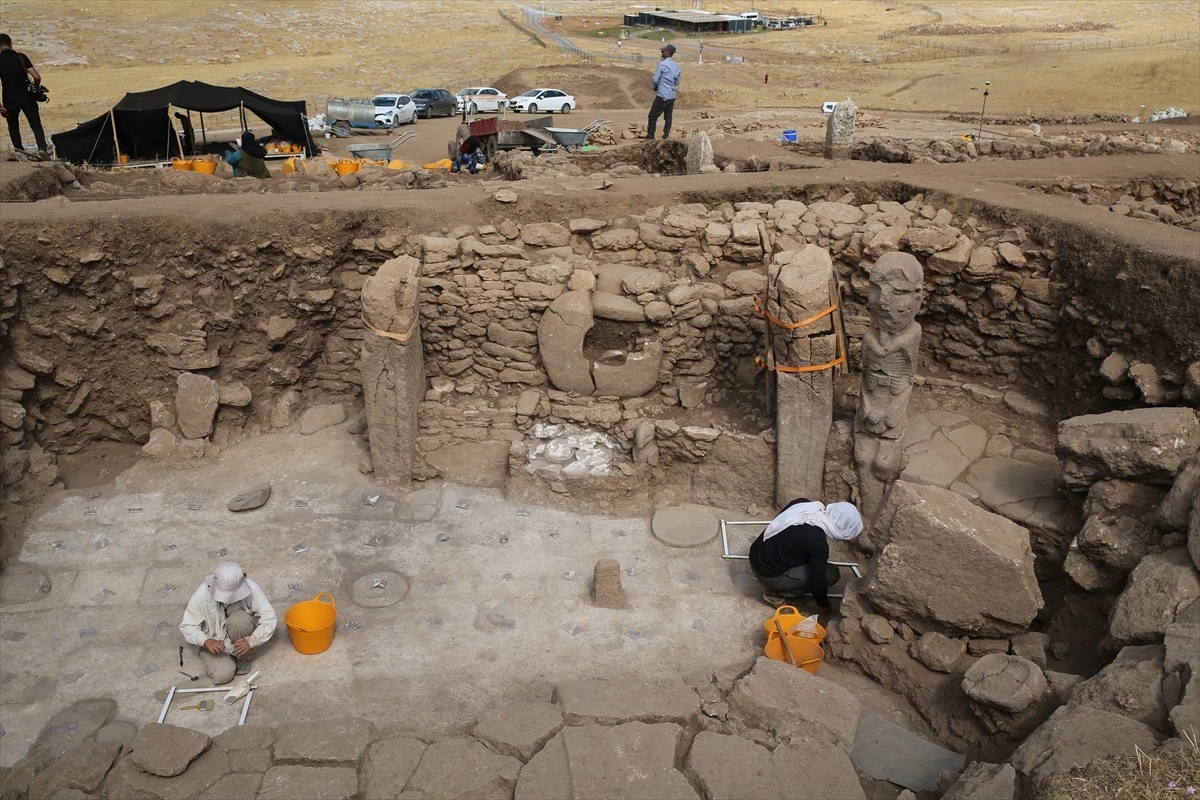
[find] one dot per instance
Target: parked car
(481, 98)
(432, 102)
(548, 100)
(394, 109)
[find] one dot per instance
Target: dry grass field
(93, 51)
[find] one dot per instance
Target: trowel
(241, 688)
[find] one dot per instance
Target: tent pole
(203, 133)
(242, 113)
(116, 142)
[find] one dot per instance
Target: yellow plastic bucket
(808, 653)
(181, 164)
(789, 617)
(205, 167)
(311, 624)
(346, 166)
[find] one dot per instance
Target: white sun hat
(228, 583)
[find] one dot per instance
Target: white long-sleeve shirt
(205, 618)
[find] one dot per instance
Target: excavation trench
(103, 314)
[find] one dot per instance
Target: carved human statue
(889, 359)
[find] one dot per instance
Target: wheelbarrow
(574, 137)
(379, 152)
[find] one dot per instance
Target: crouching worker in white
(228, 618)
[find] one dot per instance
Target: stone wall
(99, 320)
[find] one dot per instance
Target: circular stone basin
(379, 589)
(24, 585)
(684, 526)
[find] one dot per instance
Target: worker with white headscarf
(791, 557)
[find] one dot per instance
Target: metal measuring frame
(162, 715)
(726, 554)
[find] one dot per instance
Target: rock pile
(1173, 202)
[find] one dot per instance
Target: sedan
(549, 100)
(434, 101)
(394, 109)
(482, 98)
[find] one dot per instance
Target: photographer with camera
(20, 91)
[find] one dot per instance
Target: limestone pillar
(839, 130)
(804, 401)
(393, 367)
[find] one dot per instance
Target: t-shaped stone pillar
(804, 401)
(393, 367)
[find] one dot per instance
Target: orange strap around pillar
(793, 325)
(399, 337)
(758, 360)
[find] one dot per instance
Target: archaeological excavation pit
(462, 405)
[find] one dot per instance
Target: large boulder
(1132, 685)
(1118, 543)
(775, 696)
(1172, 514)
(947, 565)
(1148, 445)
(561, 332)
(1075, 736)
(1160, 586)
(82, 768)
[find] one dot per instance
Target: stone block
(939, 653)
(606, 589)
(1008, 683)
(545, 234)
(732, 768)
(610, 702)
(519, 729)
(561, 333)
(1132, 685)
(1148, 445)
(196, 400)
(634, 759)
(465, 768)
(388, 766)
(932, 542)
(318, 418)
(1075, 736)
(324, 741)
(167, 750)
(82, 768)
(126, 780)
(983, 781)
(1158, 587)
(292, 781)
(778, 697)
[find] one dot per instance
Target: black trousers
(14, 105)
(661, 108)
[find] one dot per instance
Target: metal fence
(950, 50)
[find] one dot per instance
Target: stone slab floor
(472, 622)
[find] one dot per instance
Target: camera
(38, 93)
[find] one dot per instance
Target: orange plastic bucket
(205, 167)
(311, 624)
(807, 653)
(346, 166)
(789, 617)
(181, 164)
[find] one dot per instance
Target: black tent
(140, 125)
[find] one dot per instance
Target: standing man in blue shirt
(665, 83)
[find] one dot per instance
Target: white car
(548, 100)
(392, 110)
(481, 98)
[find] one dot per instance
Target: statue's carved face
(896, 291)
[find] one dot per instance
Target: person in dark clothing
(468, 158)
(791, 557)
(16, 71)
(249, 159)
(189, 133)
